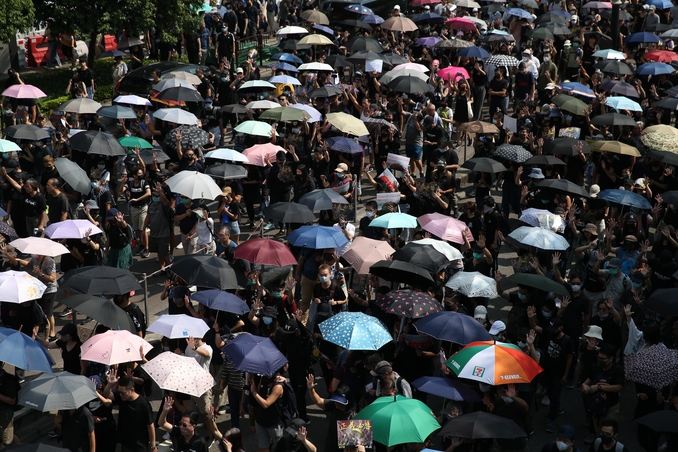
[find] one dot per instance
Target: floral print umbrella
(178, 373)
(409, 303)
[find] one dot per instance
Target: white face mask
(487, 209)
(576, 287)
(562, 446)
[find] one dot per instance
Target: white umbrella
(17, 287)
(312, 112)
(292, 31)
(542, 218)
(445, 248)
(194, 185)
(392, 75)
(473, 284)
(71, 229)
(544, 239)
(411, 67)
(183, 75)
(177, 116)
(114, 347)
(179, 326)
(178, 373)
(284, 79)
(262, 105)
(256, 84)
(173, 83)
(227, 154)
(39, 246)
(315, 66)
(132, 99)
(467, 4)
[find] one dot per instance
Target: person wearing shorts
(158, 221)
(414, 141)
(198, 349)
(44, 268)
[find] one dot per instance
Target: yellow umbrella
(315, 16)
(614, 147)
(315, 40)
(399, 24)
(347, 124)
(663, 128)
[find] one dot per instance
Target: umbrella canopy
(71, 229)
(481, 425)
(39, 246)
(474, 52)
(194, 185)
(428, 41)
(359, 9)
(655, 366)
(615, 147)
(569, 103)
(445, 227)
(402, 272)
(614, 67)
(399, 24)
(82, 106)
(345, 145)
(484, 165)
(538, 282)
(625, 89)
(460, 23)
(180, 94)
(8, 232)
(134, 142)
(663, 301)
(316, 40)
(256, 128)
(117, 112)
(260, 154)
(132, 99)
(453, 73)
(293, 30)
(411, 67)
(289, 212)
(392, 75)
(493, 363)
(221, 301)
(662, 56)
(317, 237)
(662, 421)
(9, 146)
(314, 114)
(226, 171)
(446, 388)
(254, 354)
(609, 54)
(59, 391)
(668, 102)
(544, 160)
(408, 303)
(34, 447)
(364, 252)
(563, 186)
(577, 88)
(284, 114)
(394, 220)
(661, 128)
(103, 311)
(453, 327)
(284, 79)
(408, 84)
(114, 347)
(479, 127)
(176, 116)
(372, 19)
(73, 175)
(355, 331)
(315, 66)
(503, 60)
(256, 86)
(542, 219)
(625, 198)
(448, 250)
(179, 326)
(542, 33)
(661, 141)
(98, 143)
(173, 83)
(399, 420)
(315, 16)
(393, 58)
(512, 152)
(22, 91)
(100, 280)
(347, 124)
(322, 199)
(422, 255)
(26, 132)
(473, 284)
(228, 155)
(207, 271)
(613, 119)
(23, 352)
(544, 239)
(18, 287)
(643, 37)
(566, 146)
(178, 373)
(265, 252)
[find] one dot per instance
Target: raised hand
(556, 259)
(530, 338)
(565, 302)
(169, 402)
(531, 312)
(310, 381)
(511, 391)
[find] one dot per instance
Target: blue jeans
(90, 92)
(52, 53)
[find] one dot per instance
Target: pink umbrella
(364, 253)
(23, 92)
(598, 5)
(459, 23)
(425, 2)
(114, 347)
(447, 228)
(259, 154)
(448, 72)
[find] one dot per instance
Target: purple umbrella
(346, 145)
(283, 67)
(429, 41)
(372, 19)
(71, 229)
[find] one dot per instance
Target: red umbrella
(409, 303)
(662, 56)
(265, 252)
(424, 2)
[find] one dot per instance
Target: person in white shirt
(348, 229)
(531, 63)
(205, 231)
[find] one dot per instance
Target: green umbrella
(256, 128)
(569, 103)
(540, 33)
(132, 142)
(284, 114)
(538, 282)
(399, 420)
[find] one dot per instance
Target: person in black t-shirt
(136, 431)
(87, 77)
(498, 90)
(184, 438)
(556, 360)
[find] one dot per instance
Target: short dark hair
(609, 422)
(125, 382)
(372, 204)
(193, 417)
(607, 350)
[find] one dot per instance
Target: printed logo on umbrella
(478, 371)
(184, 333)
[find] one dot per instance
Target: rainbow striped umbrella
(494, 363)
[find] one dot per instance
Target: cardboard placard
(374, 65)
(400, 160)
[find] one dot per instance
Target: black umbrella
(192, 137)
(538, 282)
(289, 212)
(97, 143)
(147, 156)
(409, 303)
(103, 311)
(495, 37)
(180, 94)
(365, 55)
(670, 197)
(624, 89)
(550, 17)
(566, 146)
(363, 43)
(34, 447)
(226, 171)
(325, 91)
(234, 108)
(484, 165)
(563, 186)
(663, 301)
(664, 156)
(481, 425)
(668, 102)
(394, 59)
(26, 132)
(356, 23)
(100, 280)
(402, 272)
(129, 42)
(408, 84)
(322, 199)
(613, 119)
(615, 67)
(662, 421)
(338, 61)
(543, 160)
(208, 271)
(421, 255)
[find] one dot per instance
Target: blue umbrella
(254, 354)
(430, 18)
(359, 9)
(643, 37)
(623, 103)
(477, 52)
(453, 327)
(372, 19)
(355, 331)
(654, 69)
(325, 30)
(23, 352)
(394, 220)
(446, 388)
(660, 4)
(518, 12)
(625, 198)
(575, 86)
(317, 237)
(283, 67)
(221, 301)
(344, 144)
(287, 58)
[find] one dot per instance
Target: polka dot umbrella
(355, 331)
(178, 373)
(409, 303)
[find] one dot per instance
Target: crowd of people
(557, 121)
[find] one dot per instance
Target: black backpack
(287, 402)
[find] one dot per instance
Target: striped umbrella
(494, 363)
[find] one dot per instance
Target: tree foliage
(15, 15)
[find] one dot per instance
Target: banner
(354, 433)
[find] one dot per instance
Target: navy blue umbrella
(344, 144)
(286, 58)
(221, 301)
(427, 18)
(625, 198)
(254, 354)
(643, 37)
(446, 388)
(477, 52)
(454, 327)
(111, 53)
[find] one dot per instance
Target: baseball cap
(382, 367)
(341, 168)
(178, 294)
(566, 431)
(112, 212)
(338, 397)
(269, 311)
(550, 86)
(291, 326)
(397, 7)
(594, 190)
(68, 328)
(480, 312)
(631, 238)
(239, 71)
(427, 7)
(615, 262)
(637, 277)
(497, 327)
(527, 51)
(294, 426)
(324, 310)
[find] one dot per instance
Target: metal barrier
(244, 45)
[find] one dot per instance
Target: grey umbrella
(73, 175)
(226, 171)
(98, 143)
(322, 199)
(103, 311)
(129, 42)
(192, 137)
(512, 152)
(59, 391)
(26, 132)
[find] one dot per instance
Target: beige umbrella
(315, 16)
(661, 141)
(348, 124)
(399, 24)
(614, 147)
(183, 75)
(364, 253)
(662, 128)
(467, 4)
(478, 127)
(315, 40)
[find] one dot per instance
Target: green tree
(15, 15)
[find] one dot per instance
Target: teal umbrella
(395, 220)
(132, 142)
(538, 282)
(355, 331)
(257, 128)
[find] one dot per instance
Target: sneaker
(570, 384)
(53, 433)
(166, 436)
(546, 401)
(171, 258)
(145, 254)
(66, 313)
(473, 192)
(550, 426)
(269, 226)
(590, 438)
(561, 412)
